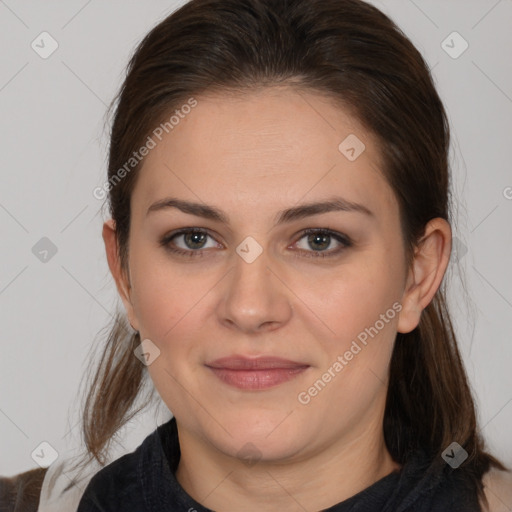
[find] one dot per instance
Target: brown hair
(22, 492)
(356, 55)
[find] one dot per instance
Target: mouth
(255, 373)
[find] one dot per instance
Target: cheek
(353, 297)
(163, 294)
(362, 312)
(172, 304)
(167, 305)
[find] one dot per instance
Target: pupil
(190, 236)
(313, 238)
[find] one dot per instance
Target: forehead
(270, 147)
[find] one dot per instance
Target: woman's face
(254, 285)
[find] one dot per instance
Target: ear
(431, 257)
(120, 276)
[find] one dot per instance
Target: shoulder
(110, 487)
(119, 485)
(132, 482)
(498, 490)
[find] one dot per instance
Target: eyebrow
(302, 211)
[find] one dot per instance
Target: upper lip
(255, 363)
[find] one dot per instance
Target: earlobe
(121, 279)
(428, 267)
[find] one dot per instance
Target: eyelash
(339, 237)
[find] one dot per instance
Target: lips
(259, 363)
(255, 373)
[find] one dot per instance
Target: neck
(315, 482)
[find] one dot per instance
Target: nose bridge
(254, 296)
(250, 281)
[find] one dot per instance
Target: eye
(193, 240)
(321, 239)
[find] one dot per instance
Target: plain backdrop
(53, 149)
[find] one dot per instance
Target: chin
(262, 436)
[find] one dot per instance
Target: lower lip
(257, 379)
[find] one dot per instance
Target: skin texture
(252, 156)
(498, 491)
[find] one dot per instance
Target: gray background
(53, 154)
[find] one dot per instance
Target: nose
(255, 298)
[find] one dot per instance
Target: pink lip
(256, 373)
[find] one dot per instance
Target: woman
(278, 185)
